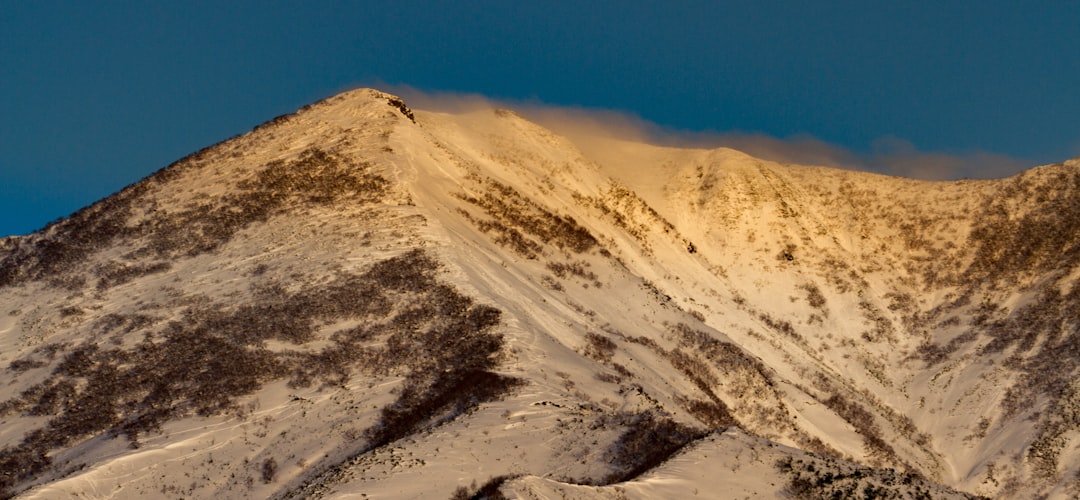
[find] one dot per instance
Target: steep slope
(922, 303)
(363, 299)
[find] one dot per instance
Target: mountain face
(365, 300)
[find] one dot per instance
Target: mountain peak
(365, 297)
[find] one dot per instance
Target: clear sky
(96, 95)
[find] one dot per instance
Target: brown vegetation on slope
(314, 178)
(201, 364)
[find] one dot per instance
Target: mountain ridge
(653, 295)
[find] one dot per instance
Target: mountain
(365, 300)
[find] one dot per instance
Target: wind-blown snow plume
(886, 155)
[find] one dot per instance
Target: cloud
(887, 155)
(900, 157)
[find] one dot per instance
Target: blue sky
(96, 95)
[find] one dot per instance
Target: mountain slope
(361, 298)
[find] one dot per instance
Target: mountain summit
(361, 299)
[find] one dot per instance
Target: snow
(740, 213)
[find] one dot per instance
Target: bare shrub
(864, 424)
(714, 414)
(215, 353)
(487, 491)
(812, 478)
(782, 326)
(694, 368)
(881, 327)
(608, 377)
(599, 347)
(513, 214)
(552, 283)
(631, 213)
(1042, 235)
(68, 311)
(63, 243)
(113, 274)
(269, 470)
(578, 269)
(422, 398)
(814, 297)
(316, 177)
(461, 493)
(277, 120)
(24, 364)
(649, 440)
(506, 236)
(39, 357)
(622, 370)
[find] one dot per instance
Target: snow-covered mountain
(363, 300)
